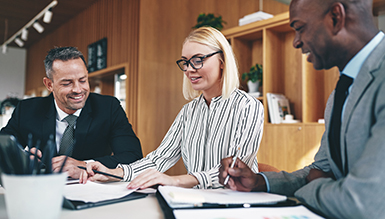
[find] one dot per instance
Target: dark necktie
(67, 141)
(340, 95)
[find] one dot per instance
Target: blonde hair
(214, 39)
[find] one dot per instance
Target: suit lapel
(360, 84)
(49, 123)
(362, 80)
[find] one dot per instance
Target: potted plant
(253, 78)
(209, 20)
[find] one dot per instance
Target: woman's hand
(153, 177)
(90, 175)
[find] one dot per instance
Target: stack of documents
(95, 191)
(182, 203)
(177, 197)
(257, 16)
(296, 212)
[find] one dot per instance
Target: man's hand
(71, 166)
(241, 176)
(315, 174)
(34, 151)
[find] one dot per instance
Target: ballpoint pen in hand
(232, 164)
(103, 173)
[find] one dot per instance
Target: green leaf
(209, 20)
(255, 74)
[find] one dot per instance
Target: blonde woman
(219, 119)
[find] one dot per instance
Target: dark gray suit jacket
(359, 192)
(101, 129)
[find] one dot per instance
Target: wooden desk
(141, 208)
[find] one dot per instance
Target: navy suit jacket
(101, 129)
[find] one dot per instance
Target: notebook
(174, 199)
(177, 197)
(92, 194)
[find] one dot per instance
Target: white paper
(147, 191)
(240, 213)
(72, 181)
(94, 191)
(215, 196)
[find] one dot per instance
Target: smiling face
(69, 84)
(313, 32)
(208, 78)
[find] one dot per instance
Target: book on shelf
(278, 106)
(257, 16)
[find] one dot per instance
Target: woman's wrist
(186, 181)
(118, 172)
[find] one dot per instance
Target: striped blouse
(202, 135)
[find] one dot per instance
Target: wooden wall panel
(163, 28)
(148, 35)
(290, 147)
(117, 20)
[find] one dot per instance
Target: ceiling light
(38, 27)
(46, 12)
(47, 16)
(19, 42)
(24, 34)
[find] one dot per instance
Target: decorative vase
(253, 86)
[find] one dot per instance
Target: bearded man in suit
(101, 130)
(346, 178)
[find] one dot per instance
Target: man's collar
(61, 114)
(355, 64)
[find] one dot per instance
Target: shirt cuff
(88, 161)
(203, 179)
(127, 172)
(267, 181)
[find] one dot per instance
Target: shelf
(285, 70)
(117, 69)
(287, 146)
(105, 81)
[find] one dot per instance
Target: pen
(232, 165)
(107, 174)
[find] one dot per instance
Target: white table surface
(146, 208)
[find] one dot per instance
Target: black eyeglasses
(195, 62)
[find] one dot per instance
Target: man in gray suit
(347, 177)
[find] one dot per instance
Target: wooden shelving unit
(104, 79)
(285, 70)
